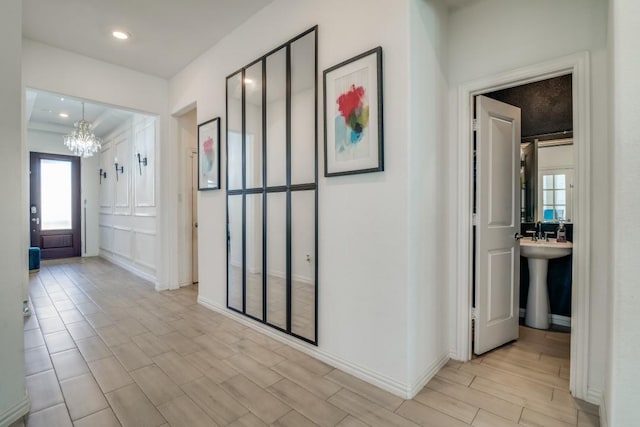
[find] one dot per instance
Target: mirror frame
(265, 189)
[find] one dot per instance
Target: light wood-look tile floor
(102, 348)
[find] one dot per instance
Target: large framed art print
(353, 128)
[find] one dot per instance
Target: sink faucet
(539, 228)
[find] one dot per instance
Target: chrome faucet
(539, 229)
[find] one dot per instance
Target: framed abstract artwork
(353, 130)
(209, 155)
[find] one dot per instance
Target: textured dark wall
(546, 105)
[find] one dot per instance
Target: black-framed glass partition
(272, 192)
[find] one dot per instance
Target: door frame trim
(578, 65)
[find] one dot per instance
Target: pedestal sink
(538, 254)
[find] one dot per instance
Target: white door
(497, 254)
(194, 217)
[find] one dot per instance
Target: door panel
(55, 205)
(497, 221)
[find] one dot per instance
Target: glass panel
(303, 282)
(254, 255)
(561, 181)
(303, 112)
(547, 197)
(560, 212)
(235, 250)
(547, 182)
(561, 197)
(55, 187)
(276, 119)
(253, 120)
(234, 131)
(547, 214)
(276, 259)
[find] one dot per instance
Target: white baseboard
(15, 412)
(594, 396)
(604, 421)
(365, 374)
(426, 376)
(127, 266)
(556, 319)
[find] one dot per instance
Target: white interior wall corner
(623, 393)
(427, 216)
(14, 402)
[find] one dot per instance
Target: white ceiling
(166, 35)
(43, 109)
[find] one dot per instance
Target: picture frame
(353, 116)
(209, 155)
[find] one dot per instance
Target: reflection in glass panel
(234, 131)
(234, 248)
(547, 181)
(55, 184)
(276, 119)
(547, 197)
(561, 181)
(303, 282)
(303, 113)
(254, 255)
(253, 123)
(561, 197)
(276, 259)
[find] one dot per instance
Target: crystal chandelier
(82, 142)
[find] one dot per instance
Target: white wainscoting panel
(127, 205)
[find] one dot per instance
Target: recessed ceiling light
(120, 35)
(63, 115)
(61, 99)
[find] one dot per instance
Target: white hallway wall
(13, 253)
(59, 71)
(495, 36)
(622, 392)
(52, 143)
(367, 278)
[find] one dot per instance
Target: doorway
(188, 231)
(577, 65)
(54, 208)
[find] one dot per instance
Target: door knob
(518, 236)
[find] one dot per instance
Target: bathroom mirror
(272, 188)
(546, 176)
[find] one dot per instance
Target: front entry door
(497, 250)
(54, 209)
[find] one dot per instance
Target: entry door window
(56, 201)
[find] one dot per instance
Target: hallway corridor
(102, 348)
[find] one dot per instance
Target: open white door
(497, 278)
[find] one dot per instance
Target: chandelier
(82, 142)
